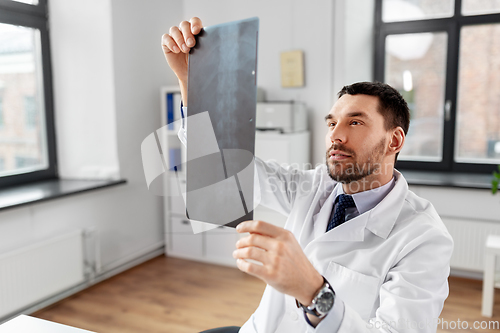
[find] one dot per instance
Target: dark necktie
(344, 201)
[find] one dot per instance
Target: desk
(24, 324)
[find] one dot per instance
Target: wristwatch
(322, 302)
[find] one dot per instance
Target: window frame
(452, 26)
(35, 16)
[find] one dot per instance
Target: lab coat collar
(346, 232)
(380, 220)
(310, 231)
(383, 216)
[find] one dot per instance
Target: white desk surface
(25, 324)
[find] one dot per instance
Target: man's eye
(331, 124)
(354, 122)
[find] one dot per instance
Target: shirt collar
(367, 200)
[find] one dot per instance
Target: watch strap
(313, 310)
(307, 309)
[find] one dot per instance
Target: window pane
(415, 64)
(23, 146)
(478, 125)
(30, 2)
(475, 7)
(409, 10)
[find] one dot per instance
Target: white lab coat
(389, 266)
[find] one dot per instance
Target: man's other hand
(284, 267)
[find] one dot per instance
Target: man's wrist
(321, 304)
(183, 86)
(312, 290)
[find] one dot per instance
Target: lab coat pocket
(357, 290)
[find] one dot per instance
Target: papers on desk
(23, 324)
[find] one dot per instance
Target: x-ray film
(221, 123)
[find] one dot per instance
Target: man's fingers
(256, 240)
(260, 227)
(169, 45)
(176, 34)
(196, 25)
(253, 253)
(185, 27)
(251, 268)
(181, 38)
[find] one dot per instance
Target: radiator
(40, 270)
(470, 238)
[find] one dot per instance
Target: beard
(358, 169)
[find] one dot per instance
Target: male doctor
(359, 251)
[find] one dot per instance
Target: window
(27, 143)
(444, 58)
(30, 112)
(24, 162)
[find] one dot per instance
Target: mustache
(340, 147)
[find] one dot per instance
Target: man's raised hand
(176, 46)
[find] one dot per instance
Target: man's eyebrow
(350, 115)
(357, 114)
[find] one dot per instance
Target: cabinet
(288, 148)
(214, 246)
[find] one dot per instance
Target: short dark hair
(392, 105)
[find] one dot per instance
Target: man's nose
(338, 134)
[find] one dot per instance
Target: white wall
(108, 68)
(140, 70)
(353, 42)
(82, 61)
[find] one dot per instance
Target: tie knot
(346, 201)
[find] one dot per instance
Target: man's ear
(397, 140)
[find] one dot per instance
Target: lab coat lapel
(309, 228)
(383, 216)
(349, 231)
(320, 219)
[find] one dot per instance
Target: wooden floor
(162, 295)
(173, 295)
(464, 304)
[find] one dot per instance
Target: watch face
(325, 302)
